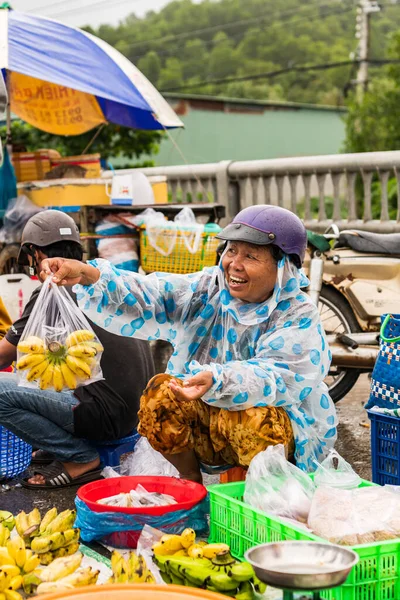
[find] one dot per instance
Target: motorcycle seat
(371, 243)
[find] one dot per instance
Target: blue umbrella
(66, 81)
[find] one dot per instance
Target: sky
(87, 12)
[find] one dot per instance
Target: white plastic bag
(164, 235)
(58, 349)
(146, 461)
(361, 516)
(334, 471)
(276, 486)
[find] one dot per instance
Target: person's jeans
(44, 419)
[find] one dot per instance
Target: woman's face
(250, 271)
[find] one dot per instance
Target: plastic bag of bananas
(58, 349)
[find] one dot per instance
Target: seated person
(248, 345)
(63, 424)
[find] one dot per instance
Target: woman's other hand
(193, 388)
(68, 272)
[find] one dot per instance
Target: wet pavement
(353, 444)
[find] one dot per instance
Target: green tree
(150, 65)
(223, 59)
(171, 76)
(113, 141)
(194, 59)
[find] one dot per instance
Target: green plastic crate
(375, 577)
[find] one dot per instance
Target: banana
(81, 577)
(53, 586)
(32, 345)
(46, 558)
(7, 519)
(7, 573)
(96, 345)
(56, 540)
(4, 534)
(31, 563)
(78, 366)
(69, 376)
(245, 591)
(47, 377)
(61, 567)
(28, 361)
(58, 379)
(188, 537)
(137, 568)
(15, 583)
(197, 577)
(38, 370)
(61, 522)
(45, 543)
(82, 351)
(150, 578)
(195, 551)
(242, 572)
(259, 586)
(181, 553)
(171, 543)
(118, 563)
(223, 582)
(47, 519)
(211, 550)
(71, 536)
(21, 523)
(79, 336)
(16, 548)
(12, 595)
(5, 557)
(34, 518)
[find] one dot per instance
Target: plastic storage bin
(375, 577)
(15, 454)
(385, 448)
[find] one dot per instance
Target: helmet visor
(236, 232)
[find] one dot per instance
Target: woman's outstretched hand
(193, 388)
(68, 272)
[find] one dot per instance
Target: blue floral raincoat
(272, 353)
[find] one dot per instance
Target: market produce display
(208, 566)
(60, 365)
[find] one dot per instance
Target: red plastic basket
(186, 493)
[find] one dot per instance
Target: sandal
(56, 476)
(41, 457)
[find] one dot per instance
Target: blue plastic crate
(15, 454)
(385, 448)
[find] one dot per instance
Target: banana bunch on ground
(185, 545)
(215, 569)
(55, 536)
(62, 574)
(16, 562)
(59, 366)
(131, 570)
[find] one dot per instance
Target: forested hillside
(187, 44)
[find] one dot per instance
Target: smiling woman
(250, 354)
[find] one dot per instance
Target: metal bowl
(302, 566)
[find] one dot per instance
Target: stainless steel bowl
(302, 566)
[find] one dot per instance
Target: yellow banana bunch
(54, 541)
(17, 550)
(61, 567)
(31, 563)
(48, 557)
(79, 578)
(131, 570)
(61, 522)
(79, 336)
(32, 345)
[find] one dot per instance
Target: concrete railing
(353, 190)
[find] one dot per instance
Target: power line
(89, 6)
(46, 6)
(271, 74)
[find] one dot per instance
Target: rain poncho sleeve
(268, 354)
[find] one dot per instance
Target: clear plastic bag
(334, 471)
(146, 461)
(276, 486)
(18, 212)
(361, 516)
(58, 349)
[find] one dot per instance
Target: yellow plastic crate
(180, 260)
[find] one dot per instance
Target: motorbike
(354, 279)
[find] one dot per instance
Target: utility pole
(365, 9)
